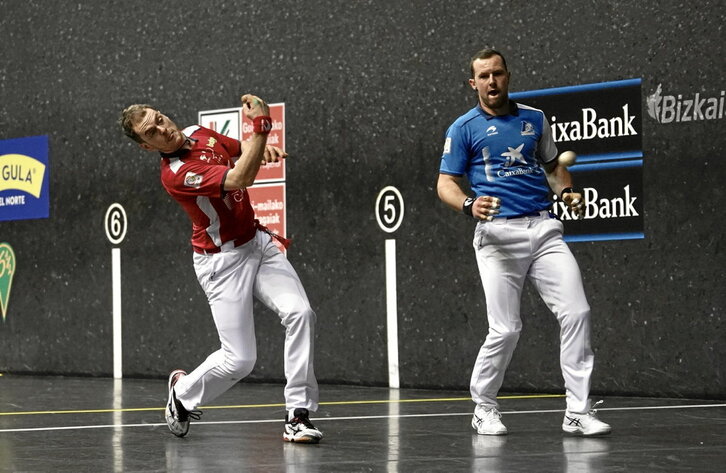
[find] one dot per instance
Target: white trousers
(230, 279)
(508, 251)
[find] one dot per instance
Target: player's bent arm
(558, 177)
(449, 190)
(245, 170)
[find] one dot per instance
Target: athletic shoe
(177, 417)
(585, 424)
(487, 421)
(298, 427)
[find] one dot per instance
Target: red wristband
(262, 125)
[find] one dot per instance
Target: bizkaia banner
(602, 123)
(267, 194)
(24, 179)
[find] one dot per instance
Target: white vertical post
(116, 284)
(392, 314)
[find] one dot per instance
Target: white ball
(567, 158)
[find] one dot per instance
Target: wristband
(566, 190)
(467, 207)
(262, 125)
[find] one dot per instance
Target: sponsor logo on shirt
(447, 145)
(193, 180)
(514, 156)
(211, 142)
(492, 130)
(527, 128)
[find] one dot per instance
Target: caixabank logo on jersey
(24, 178)
(602, 123)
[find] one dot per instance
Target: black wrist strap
(566, 190)
(468, 204)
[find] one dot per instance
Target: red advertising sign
(271, 171)
(268, 201)
(267, 195)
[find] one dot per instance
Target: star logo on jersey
(514, 155)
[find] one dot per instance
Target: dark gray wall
(370, 88)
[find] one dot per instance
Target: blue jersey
(502, 155)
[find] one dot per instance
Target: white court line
(325, 419)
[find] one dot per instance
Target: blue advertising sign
(24, 178)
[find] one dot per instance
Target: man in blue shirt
(506, 151)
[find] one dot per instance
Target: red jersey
(195, 179)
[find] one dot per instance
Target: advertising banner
(24, 178)
(602, 123)
(226, 121)
(268, 201)
(268, 192)
(273, 171)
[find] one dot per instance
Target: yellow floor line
(255, 406)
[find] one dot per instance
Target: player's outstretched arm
(253, 151)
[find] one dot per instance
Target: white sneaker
(299, 429)
(487, 421)
(177, 417)
(585, 424)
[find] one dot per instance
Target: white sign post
(116, 224)
(389, 214)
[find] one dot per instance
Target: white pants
(231, 279)
(508, 251)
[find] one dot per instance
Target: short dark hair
(130, 116)
(486, 53)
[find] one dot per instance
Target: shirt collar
(513, 110)
(181, 151)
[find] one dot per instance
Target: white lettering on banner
(269, 205)
(672, 108)
(617, 207)
(12, 200)
(609, 208)
(591, 126)
(269, 219)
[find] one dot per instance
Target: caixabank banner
(24, 178)
(602, 123)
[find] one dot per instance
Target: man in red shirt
(235, 260)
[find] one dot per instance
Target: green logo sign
(7, 271)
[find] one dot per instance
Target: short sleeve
(455, 157)
(196, 178)
(546, 149)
